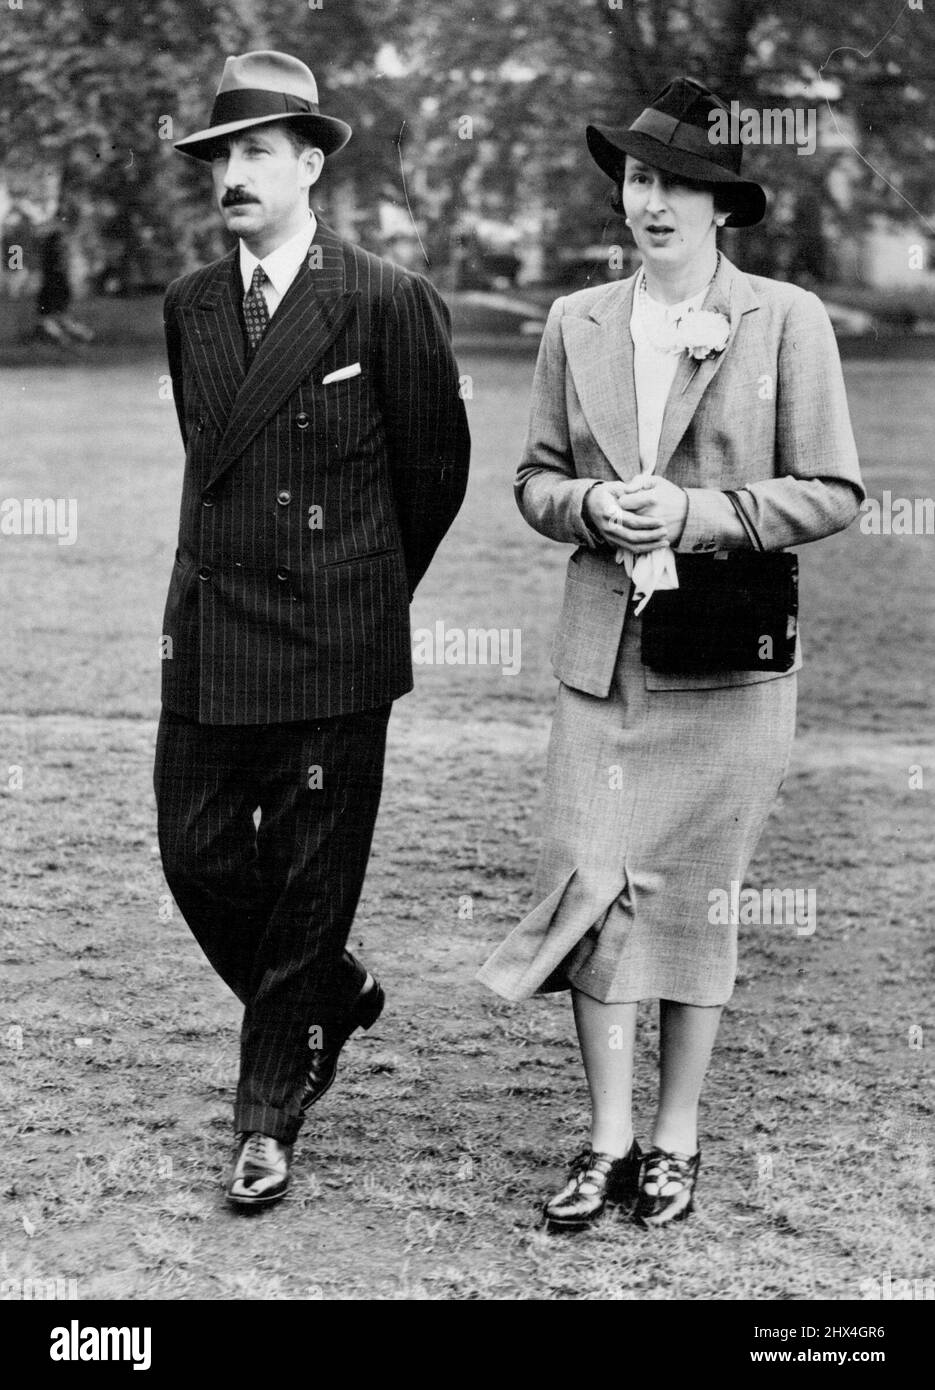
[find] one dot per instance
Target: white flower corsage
(702, 333)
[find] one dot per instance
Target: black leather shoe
(324, 1061)
(261, 1171)
(595, 1181)
(667, 1187)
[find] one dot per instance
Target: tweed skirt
(653, 799)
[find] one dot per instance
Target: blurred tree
(93, 93)
(470, 111)
(527, 79)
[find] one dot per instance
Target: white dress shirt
(281, 265)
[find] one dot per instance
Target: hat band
(245, 102)
(691, 138)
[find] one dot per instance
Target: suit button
(282, 574)
(302, 420)
(204, 572)
(284, 498)
(207, 499)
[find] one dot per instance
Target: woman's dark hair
(723, 199)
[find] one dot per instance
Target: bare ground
(421, 1173)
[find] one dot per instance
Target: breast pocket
(341, 411)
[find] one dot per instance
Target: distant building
(896, 257)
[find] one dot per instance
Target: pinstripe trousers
(272, 905)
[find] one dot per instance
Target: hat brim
(609, 147)
(327, 132)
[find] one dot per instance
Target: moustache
(233, 200)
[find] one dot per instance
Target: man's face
(261, 183)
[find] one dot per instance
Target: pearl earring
(626, 221)
(720, 221)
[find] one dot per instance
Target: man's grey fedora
(262, 87)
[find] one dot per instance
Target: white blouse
(652, 326)
(655, 362)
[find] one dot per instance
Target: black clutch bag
(736, 612)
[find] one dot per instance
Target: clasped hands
(647, 513)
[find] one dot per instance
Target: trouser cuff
(266, 1119)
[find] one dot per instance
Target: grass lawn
(420, 1175)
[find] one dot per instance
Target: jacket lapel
(214, 338)
(599, 350)
(732, 295)
(305, 324)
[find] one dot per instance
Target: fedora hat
(262, 87)
(673, 134)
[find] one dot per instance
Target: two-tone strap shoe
(261, 1171)
(667, 1187)
(596, 1181)
(323, 1064)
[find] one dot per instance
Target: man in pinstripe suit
(326, 456)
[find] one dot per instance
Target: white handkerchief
(342, 374)
(649, 572)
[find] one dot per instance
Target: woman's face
(672, 222)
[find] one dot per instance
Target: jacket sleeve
(817, 489)
(548, 492)
(428, 443)
(174, 354)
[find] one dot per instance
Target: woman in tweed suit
(658, 785)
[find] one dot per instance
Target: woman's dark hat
(262, 87)
(673, 133)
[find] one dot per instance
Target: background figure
(54, 322)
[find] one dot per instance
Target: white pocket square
(341, 374)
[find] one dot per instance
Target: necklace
(664, 340)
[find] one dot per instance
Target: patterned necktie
(255, 310)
